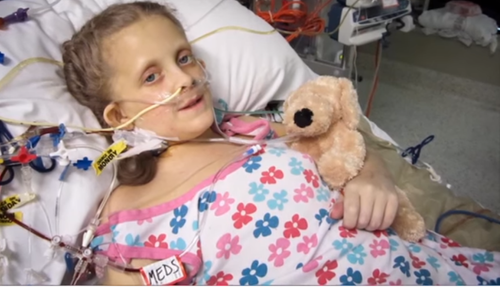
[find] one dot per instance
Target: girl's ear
(113, 115)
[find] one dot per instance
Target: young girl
(264, 219)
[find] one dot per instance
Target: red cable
(307, 24)
(375, 79)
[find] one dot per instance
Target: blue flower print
(423, 277)
(207, 198)
(277, 151)
(454, 278)
(258, 191)
(344, 246)
(296, 166)
(481, 281)
(206, 272)
(414, 248)
(300, 265)
(483, 257)
(263, 226)
(323, 194)
(130, 240)
(357, 255)
(494, 282)
(250, 276)
(178, 221)
(433, 261)
(252, 164)
(403, 265)
(351, 278)
(394, 244)
(195, 225)
(96, 242)
(324, 214)
(278, 201)
(391, 232)
(114, 233)
(489, 256)
(430, 236)
(178, 244)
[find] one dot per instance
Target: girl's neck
(182, 147)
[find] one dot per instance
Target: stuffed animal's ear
(351, 112)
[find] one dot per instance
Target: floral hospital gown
(266, 221)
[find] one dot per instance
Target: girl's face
(149, 60)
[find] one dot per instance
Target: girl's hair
(88, 77)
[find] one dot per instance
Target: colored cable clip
(24, 156)
(84, 163)
(57, 137)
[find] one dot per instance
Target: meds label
(165, 272)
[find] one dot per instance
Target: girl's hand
(370, 200)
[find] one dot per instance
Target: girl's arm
(370, 199)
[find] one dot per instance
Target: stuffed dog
(323, 116)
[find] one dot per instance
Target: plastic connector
(88, 236)
(253, 150)
(20, 15)
(61, 154)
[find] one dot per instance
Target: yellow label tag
(10, 202)
(108, 156)
(5, 221)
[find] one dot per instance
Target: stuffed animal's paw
(334, 171)
(409, 225)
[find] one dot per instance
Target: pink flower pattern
(228, 245)
(307, 244)
(303, 194)
(222, 204)
(279, 251)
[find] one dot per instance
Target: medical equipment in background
(367, 23)
(329, 46)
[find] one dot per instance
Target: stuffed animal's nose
(303, 118)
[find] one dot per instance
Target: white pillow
(38, 93)
(248, 70)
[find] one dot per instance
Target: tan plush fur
(324, 114)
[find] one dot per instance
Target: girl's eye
(151, 78)
(184, 60)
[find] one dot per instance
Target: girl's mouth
(192, 103)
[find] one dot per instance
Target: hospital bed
(66, 198)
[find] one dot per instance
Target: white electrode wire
(56, 211)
